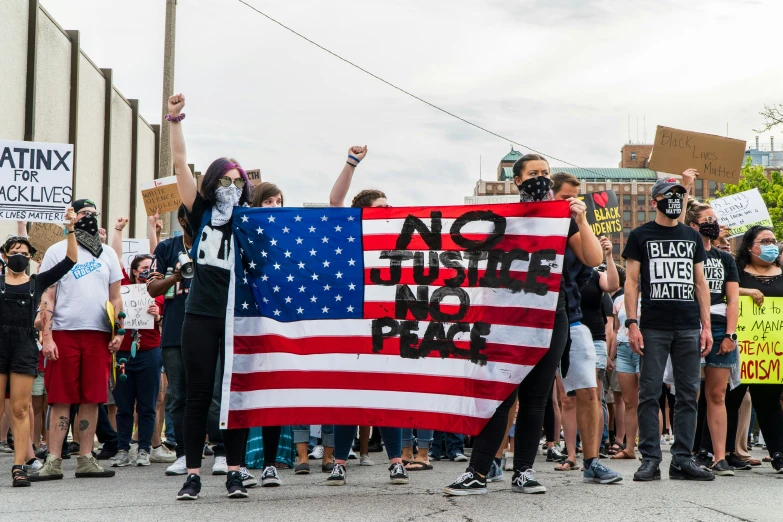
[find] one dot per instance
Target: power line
(422, 100)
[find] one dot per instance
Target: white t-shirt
(619, 311)
(83, 292)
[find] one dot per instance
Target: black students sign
(35, 181)
(603, 212)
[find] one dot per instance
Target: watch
(629, 322)
(732, 336)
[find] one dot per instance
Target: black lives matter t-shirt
(719, 269)
(668, 256)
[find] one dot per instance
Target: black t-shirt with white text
(668, 256)
(167, 256)
(719, 269)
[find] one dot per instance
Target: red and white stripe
(326, 372)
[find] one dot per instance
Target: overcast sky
(560, 76)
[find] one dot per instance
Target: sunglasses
(225, 181)
(669, 195)
(88, 213)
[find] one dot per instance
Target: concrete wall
(53, 104)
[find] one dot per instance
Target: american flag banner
(409, 317)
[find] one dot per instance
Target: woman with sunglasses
(19, 298)
(209, 209)
(141, 349)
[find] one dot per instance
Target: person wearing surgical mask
(208, 210)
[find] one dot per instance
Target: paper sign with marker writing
(161, 194)
(136, 301)
(44, 235)
(741, 211)
(715, 157)
(36, 181)
(603, 212)
(760, 338)
(133, 247)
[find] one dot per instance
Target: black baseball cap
(663, 186)
(83, 203)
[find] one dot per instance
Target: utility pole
(168, 90)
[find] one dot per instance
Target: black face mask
(535, 189)
(18, 263)
(86, 231)
(671, 208)
(709, 230)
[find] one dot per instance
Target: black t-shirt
(209, 287)
(719, 269)
(43, 281)
(769, 286)
(668, 256)
(574, 276)
(596, 307)
(167, 256)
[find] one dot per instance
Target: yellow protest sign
(760, 337)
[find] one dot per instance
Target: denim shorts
(627, 360)
(581, 370)
(600, 354)
(712, 359)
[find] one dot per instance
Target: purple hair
(217, 170)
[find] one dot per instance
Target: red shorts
(81, 373)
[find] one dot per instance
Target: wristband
(118, 229)
(175, 119)
(353, 158)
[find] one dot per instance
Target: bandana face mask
(226, 198)
(86, 232)
(535, 189)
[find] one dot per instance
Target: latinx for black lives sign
(36, 181)
(475, 261)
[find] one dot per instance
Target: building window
(641, 217)
(616, 249)
(633, 156)
(626, 230)
(626, 200)
(626, 215)
(640, 201)
(713, 187)
(699, 186)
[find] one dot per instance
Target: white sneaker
(121, 459)
(220, 467)
(35, 466)
(352, 455)
(317, 453)
(143, 459)
(365, 460)
(270, 478)
(460, 457)
(508, 458)
(248, 480)
(161, 455)
(178, 468)
(134, 451)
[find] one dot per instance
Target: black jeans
(766, 402)
(549, 416)
(202, 347)
(533, 393)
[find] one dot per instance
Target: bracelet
(118, 229)
(175, 119)
(354, 158)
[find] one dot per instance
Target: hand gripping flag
(414, 317)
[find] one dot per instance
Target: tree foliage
(771, 188)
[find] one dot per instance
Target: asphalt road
(146, 494)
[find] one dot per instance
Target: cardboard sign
(36, 180)
(44, 235)
(603, 212)
(741, 211)
(136, 301)
(760, 338)
(161, 194)
(131, 248)
(715, 157)
(254, 176)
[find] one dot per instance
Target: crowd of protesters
(641, 357)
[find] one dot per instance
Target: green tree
(771, 188)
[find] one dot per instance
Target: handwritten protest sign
(741, 211)
(254, 176)
(36, 180)
(603, 212)
(161, 194)
(715, 157)
(133, 247)
(44, 235)
(136, 301)
(760, 336)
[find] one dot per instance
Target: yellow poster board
(760, 337)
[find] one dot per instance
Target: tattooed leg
(59, 423)
(88, 420)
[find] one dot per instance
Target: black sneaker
(722, 468)
(525, 482)
(337, 478)
(397, 474)
(190, 489)
(648, 471)
(553, 455)
(207, 451)
(777, 462)
(469, 483)
(602, 454)
(234, 485)
(106, 453)
(737, 463)
(703, 459)
(689, 470)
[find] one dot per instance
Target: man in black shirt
(675, 304)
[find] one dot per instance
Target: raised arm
(343, 183)
(610, 280)
(21, 228)
(116, 238)
(584, 244)
(72, 247)
(186, 183)
(156, 225)
(688, 182)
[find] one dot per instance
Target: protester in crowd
(760, 277)
(208, 210)
(531, 175)
(423, 440)
(344, 435)
(141, 349)
(720, 271)
(673, 303)
(19, 298)
(78, 341)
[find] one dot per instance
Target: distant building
(765, 155)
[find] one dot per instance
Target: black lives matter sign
(36, 181)
(671, 270)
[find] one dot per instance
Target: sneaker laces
(338, 470)
(523, 476)
(599, 468)
(397, 468)
(244, 472)
(269, 472)
(465, 476)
